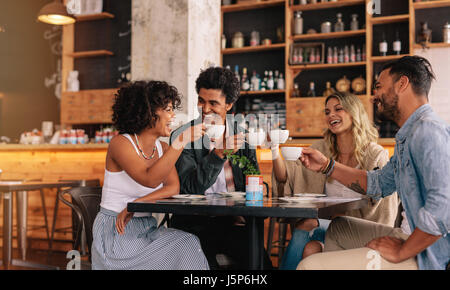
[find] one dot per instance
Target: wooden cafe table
(254, 213)
(6, 190)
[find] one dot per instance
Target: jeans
(294, 251)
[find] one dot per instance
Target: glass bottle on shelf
(335, 55)
(296, 91)
(255, 81)
(318, 56)
(397, 45)
(312, 90)
(383, 46)
(300, 55)
(354, 25)
(330, 55)
(352, 53)
(245, 82)
(281, 83)
(341, 55)
(295, 57)
(346, 54)
(298, 23)
(358, 55)
(329, 90)
(339, 25)
(270, 81)
(312, 56)
(276, 76)
(236, 73)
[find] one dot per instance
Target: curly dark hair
(135, 105)
(222, 79)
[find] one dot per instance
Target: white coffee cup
(215, 131)
(291, 153)
(256, 138)
(279, 136)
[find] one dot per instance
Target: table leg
(55, 214)
(256, 242)
(22, 215)
(7, 229)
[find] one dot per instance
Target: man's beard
(390, 110)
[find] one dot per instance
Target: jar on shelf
(354, 25)
(298, 23)
(339, 25)
(254, 38)
(446, 33)
(325, 27)
(238, 40)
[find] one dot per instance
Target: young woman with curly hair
(350, 139)
(141, 168)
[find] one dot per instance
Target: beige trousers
(344, 247)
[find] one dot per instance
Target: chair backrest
(87, 200)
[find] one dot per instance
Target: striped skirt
(143, 246)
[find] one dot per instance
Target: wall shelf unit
(401, 15)
(93, 47)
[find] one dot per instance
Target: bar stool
(82, 242)
(22, 216)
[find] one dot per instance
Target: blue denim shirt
(419, 171)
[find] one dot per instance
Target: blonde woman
(350, 139)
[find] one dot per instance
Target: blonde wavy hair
(364, 132)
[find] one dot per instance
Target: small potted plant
(253, 177)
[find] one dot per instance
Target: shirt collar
(406, 128)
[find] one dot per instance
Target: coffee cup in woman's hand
(189, 135)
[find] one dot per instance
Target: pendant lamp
(55, 13)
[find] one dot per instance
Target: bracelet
(325, 169)
(331, 169)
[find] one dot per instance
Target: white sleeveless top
(119, 188)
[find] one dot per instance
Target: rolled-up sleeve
(381, 183)
(431, 151)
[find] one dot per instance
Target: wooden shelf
(326, 66)
(327, 5)
(343, 34)
(431, 4)
(251, 5)
(248, 49)
(432, 45)
(387, 58)
(91, 17)
(263, 92)
(92, 53)
(390, 19)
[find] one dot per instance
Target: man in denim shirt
(419, 171)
